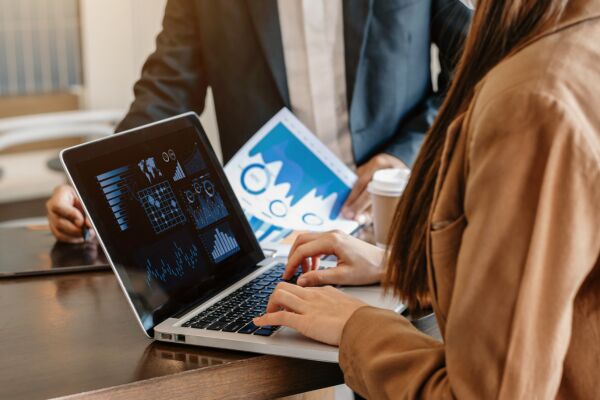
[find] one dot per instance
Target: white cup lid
(389, 182)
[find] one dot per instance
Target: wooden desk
(74, 334)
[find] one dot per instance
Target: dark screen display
(168, 218)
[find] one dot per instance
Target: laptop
(179, 243)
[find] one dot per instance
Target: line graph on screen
(170, 259)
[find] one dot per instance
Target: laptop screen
(166, 214)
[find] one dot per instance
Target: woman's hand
(358, 263)
(318, 313)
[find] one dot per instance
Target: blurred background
(67, 69)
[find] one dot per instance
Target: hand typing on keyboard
(235, 312)
(322, 312)
(358, 262)
(319, 312)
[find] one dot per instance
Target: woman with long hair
(497, 231)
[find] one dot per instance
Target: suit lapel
(357, 15)
(265, 16)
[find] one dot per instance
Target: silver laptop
(179, 243)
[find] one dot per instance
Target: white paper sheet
(288, 181)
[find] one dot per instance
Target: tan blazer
(513, 254)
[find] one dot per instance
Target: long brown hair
(498, 27)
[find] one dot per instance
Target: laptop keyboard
(235, 312)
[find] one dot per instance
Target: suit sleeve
(173, 80)
(532, 206)
(450, 21)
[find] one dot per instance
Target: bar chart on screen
(220, 242)
(179, 175)
(115, 187)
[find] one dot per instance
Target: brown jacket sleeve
(532, 206)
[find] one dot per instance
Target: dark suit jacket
(235, 48)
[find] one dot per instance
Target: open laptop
(179, 243)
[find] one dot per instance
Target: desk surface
(74, 333)
(43, 255)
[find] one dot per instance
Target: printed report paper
(289, 182)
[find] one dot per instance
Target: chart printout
(287, 180)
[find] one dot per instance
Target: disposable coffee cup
(385, 189)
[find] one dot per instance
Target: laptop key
(201, 324)
(248, 329)
(264, 332)
(264, 328)
(234, 326)
(271, 327)
(236, 311)
(217, 326)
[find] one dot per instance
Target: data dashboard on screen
(167, 217)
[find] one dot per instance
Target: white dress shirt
(313, 47)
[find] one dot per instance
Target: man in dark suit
(357, 72)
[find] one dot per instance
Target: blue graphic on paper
(282, 145)
(161, 207)
(265, 231)
(255, 179)
(286, 178)
(220, 243)
(114, 184)
(204, 203)
(170, 258)
(278, 208)
(312, 219)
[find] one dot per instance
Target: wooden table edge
(260, 377)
